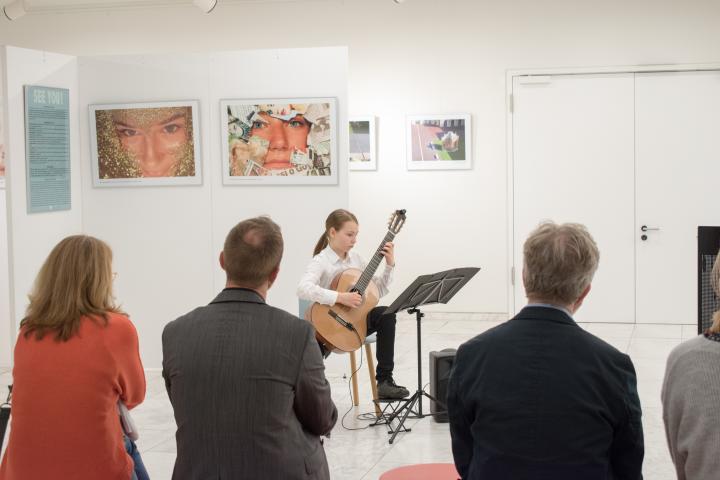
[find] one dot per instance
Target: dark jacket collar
(544, 313)
(238, 295)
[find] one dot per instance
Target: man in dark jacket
(539, 398)
(246, 380)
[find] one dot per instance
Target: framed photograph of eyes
(438, 142)
(363, 153)
(279, 141)
(145, 144)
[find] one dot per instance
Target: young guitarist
(333, 255)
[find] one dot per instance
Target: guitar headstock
(397, 220)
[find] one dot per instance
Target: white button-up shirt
(325, 266)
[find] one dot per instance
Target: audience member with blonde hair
(76, 357)
(538, 397)
(690, 396)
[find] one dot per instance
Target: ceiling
(67, 6)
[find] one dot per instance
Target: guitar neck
(373, 265)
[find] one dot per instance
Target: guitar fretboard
(372, 267)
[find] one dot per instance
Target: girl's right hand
(349, 299)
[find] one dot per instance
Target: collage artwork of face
(279, 139)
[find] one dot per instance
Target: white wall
(6, 325)
(32, 236)
(166, 240)
(421, 56)
(6, 328)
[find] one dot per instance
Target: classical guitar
(341, 328)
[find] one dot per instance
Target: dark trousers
(384, 325)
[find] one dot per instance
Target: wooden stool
(303, 306)
(423, 471)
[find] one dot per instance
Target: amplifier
(440, 365)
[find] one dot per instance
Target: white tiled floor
(365, 454)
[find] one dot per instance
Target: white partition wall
(32, 236)
(6, 327)
(166, 240)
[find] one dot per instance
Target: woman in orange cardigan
(76, 356)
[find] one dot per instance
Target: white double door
(617, 152)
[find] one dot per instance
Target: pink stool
(423, 471)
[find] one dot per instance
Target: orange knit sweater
(64, 422)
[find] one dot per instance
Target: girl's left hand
(389, 252)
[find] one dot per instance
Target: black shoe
(387, 389)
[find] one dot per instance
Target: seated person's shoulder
(185, 319)
(486, 338)
(287, 320)
(606, 353)
(598, 344)
(690, 350)
(120, 325)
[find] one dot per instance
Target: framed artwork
(363, 154)
(145, 144)
(279, 141)
(438, 142)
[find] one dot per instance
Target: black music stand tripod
(425, 290)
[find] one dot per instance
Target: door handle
(645, 228)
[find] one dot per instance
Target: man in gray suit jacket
(246, 380)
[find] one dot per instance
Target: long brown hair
(74, 282)
(336, 220)
(715, 282)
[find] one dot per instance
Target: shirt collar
(332, 256)
(234, 294)
(548, 305)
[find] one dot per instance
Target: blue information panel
(47, 148)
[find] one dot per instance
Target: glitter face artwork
(145, 142)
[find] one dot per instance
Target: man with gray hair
(539, 398)
(246, 380)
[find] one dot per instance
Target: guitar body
(331, 332)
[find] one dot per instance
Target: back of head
(336, 220)
(559, 262)
(253, 250)
(75, 281)
(715, 282)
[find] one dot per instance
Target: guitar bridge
(341, 320)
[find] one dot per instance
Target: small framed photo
(438, 142)
(279, 141)
(363, 153)
(145, 144)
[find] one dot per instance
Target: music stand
(425, 290)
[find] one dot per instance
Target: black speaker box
(440, 365)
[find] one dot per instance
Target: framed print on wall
(279, 141)
(438, 142)
(145, 144)
(363, 153)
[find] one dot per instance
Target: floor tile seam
(144, 449)
(377, 462)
